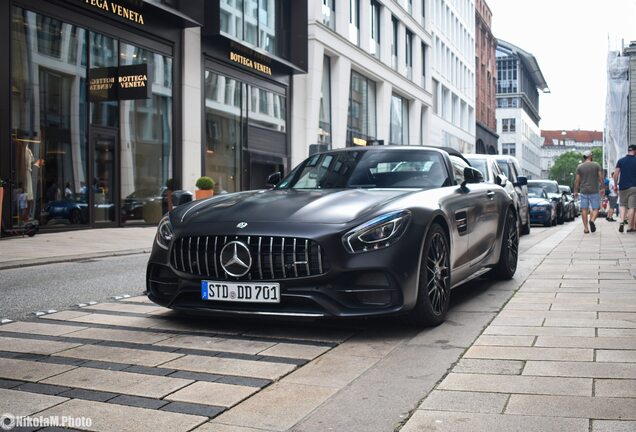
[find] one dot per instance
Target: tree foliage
(564, 168)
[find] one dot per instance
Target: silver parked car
(491, 168)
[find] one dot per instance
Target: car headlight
(378, 233)
(164, 233)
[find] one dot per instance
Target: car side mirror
(522, 181)
(274, 179)
(472, 175)
(501, 180)
(180, 197)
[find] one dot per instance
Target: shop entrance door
(104, 197)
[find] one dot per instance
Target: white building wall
(192, 107)
(452, 25)
(347, 56)
(527, 139)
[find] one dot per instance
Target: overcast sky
(570, 40)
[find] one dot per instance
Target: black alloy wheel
(509, 256)
(434, 282)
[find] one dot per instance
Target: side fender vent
(461, 222)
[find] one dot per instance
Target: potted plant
(205, 187)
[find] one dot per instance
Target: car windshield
(549, 187)
(480, 164)
(369, 169)
(565, 189)
(535, 192)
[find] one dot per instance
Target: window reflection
(146, 139)
(223, 130)
(399, 120)
(260, 23)
(48, 126)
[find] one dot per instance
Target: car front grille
(273, 258)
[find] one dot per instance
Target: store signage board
(119, 83)
(115, 8)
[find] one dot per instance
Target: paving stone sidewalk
(560, 356)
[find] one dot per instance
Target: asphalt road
(59, 286)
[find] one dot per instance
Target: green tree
(564, 168)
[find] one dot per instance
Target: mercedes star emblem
(241, 225)
(236, 259)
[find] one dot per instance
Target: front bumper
(382, 282)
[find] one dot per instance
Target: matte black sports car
(353, 232)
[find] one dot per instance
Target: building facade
(107, 105)
(452, 25)
(519, 80)
(557, 142)
(486, 81)
(368, 77)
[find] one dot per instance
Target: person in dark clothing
(625, 184)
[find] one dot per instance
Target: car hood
(554, 196)
(538, 201)
(327, 206)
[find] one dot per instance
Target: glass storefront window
(223, 97)
(324, 122)
(361, 122)
(48, 119)
(267, 109)
(399, 120)
(146, 138)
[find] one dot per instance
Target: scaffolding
(616, 109)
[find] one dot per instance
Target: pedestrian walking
(612, 197)
(589, 183)
(625, 184)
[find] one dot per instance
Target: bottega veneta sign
(119, 83)
(116, 9)
(248, 62)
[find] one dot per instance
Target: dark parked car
(552, 189)
(72, 211)
(490, 167)
(569, 203)
(345, 234)
(542, 208)
(510, 167)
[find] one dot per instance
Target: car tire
(509, 255)
(433, 295)
(547, 223)
(525, 229)
(75, 218)
(561, 217)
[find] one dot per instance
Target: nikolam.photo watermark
(10, 421)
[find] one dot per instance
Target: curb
(70, 258)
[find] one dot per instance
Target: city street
(559, 354)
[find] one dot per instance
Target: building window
(399, 120)
(423, 17)
(375, 29)
(409, 54)
(508, 125)
(329, 13)
(354, 21)
(362, 118)
(394, 43)
(509, 149)
(257, 22)
(423, 65)
(324, 123)
(506, 75)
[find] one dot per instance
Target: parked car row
(548, 207)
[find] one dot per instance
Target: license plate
(240, 292)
